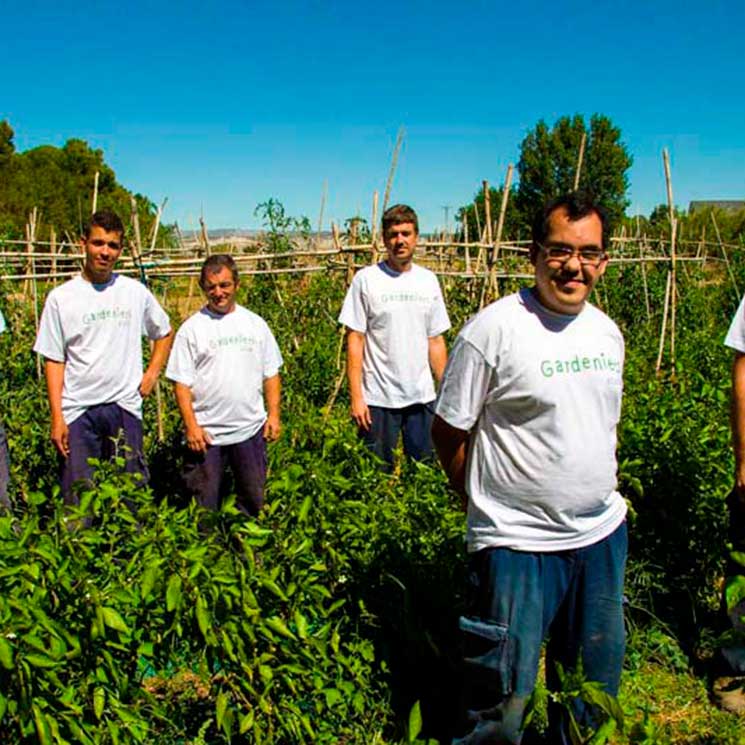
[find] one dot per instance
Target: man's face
(220, 289)
(563, 286)
(102, 250)
(400, 241)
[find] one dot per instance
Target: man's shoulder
(601, 319)
(489, 325)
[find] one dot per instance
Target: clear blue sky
(221, 105)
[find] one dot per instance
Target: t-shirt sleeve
(354, 310)
(437, 321)
(272, 356)
(3, 325)
(736, 335)
(155, 321)
(50, 342)
(180, 368)
(464, 387)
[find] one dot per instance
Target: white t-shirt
(736, 335)
(540, 393)
(224, 360)
(398, 313)
(97, 330)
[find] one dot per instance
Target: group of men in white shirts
(524, 425)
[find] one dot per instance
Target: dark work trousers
(102, 432)
(414, 422)
(203, 473)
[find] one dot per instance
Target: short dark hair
(106, 219)
(578, 204)
(213, 264)
(397, 214)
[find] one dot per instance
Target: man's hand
(60, 436)
(197, 439)
(361, 413)
(272, 428)
(149, 379)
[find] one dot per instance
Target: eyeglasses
(100, 243)
(591, 255)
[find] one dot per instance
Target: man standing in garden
(525, 428)
(91, 337)
(729, 686)
(395, 317)
(225, 369)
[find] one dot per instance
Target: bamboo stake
(726, 258)
(644, 283)
(156, 224)
(493, 287)
(31, 235)
(673, 232)
(95, 194)
(487, 227)
(374, 230)
(465, 238)
(392, 169)
(205, 236)
(324, 196)
(580, 158)
(53, 248)
(658, 366)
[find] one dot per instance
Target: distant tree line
(549, 158)
(59, 182)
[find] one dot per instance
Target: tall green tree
(549, 157)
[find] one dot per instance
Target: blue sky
(220, 105)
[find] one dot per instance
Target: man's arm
(438, 356)
(158, 357)
(55, 375)
(196, 438)
(452, 450)
(737, 421)
(272, 395)
(355, 353)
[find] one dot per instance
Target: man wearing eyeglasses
(225, 370)
(525, 428)
(90, 336)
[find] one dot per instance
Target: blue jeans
(102, 432)
(414, 422)
(518, 599)
(733, 653)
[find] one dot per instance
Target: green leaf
(42, 728)
(99, 699)
(113, 620)
(415, 723)
(173, 592)
(274, 588)
(277, 624)
(6, 654)
(246, 722)
(738, 556)
(39, 660)
(221, 706)
(304, 508)
(203, 618)
(301, 624)
(734, 591)
(149, 576)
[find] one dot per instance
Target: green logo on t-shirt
(235, 340)
(578, 364)
(108, 314)
(404, 297)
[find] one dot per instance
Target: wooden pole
(156, 224)
(658, 366)
(374, 228)
(493, 288)
(31, 235)
(580, 158)
(324, 196)
(94, 204)
(726, 258)
(392, 169)
(487, 237)
(204, 235)
(673, 256)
